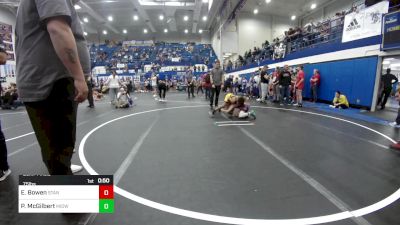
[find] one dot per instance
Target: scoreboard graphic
(66, 194)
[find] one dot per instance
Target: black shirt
(387, 80)
(285, 78)
(263, 80)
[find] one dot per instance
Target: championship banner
(391, 31)
(364, 23)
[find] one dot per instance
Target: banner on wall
(138, 43)
(391, 31)
(364, 23)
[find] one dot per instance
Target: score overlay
(66, 194)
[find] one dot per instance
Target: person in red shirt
(207, 85)
(315, 81)
(299, 86)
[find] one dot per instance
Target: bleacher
(159, 53)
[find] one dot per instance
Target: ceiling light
(186, 31)
(200, 31)
(77, 7)
(135, 17)
(161, 17)
(185, 18)
(205, 1)
(386, 63)
(124, 31)
(255, 11)
(313, 6)
(85, 33)
(165, 30)
(105, 32)
(145, 31)
(268, 1)
(86, 20)
(293, 17)
(110, 18)
(204, 18)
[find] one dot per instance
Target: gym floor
(174, 165)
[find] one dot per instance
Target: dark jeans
(385, 96)
(3, 152)
(397, 118)
(54, 123)
(285, 92)
(90, 95)
(200, 88)
(190, 90)
(215, 93)
(208, 92)
(162, 89)
(314, 92)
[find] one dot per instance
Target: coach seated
(10, 98)
(340, 101)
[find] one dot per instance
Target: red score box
(106, 192)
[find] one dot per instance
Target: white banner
(178, 59)
(138, 43)
(364, 23)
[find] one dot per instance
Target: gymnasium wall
(249, 31)
(328, 11)
(355, 78)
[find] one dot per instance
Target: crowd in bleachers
(157, 54)
(294, 39)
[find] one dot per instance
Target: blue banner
(391, 31)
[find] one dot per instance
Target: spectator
(315, 82)
(61, 58)
(228, 84)
(207, 86)
(387, 82)
(340, 101)
(299, 86)
(275, 85)
(4, 167)
(216, 78)
(229, 66)
(285, 79)
(190, 82)
(199, 84)
(113, 84)
(396, 123)
(89, 82)
(162, 89)
(264, 79)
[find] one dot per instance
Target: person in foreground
(4, 167)
(396, 124)
(340, 101)
(51, 53)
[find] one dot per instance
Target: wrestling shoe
(4, 174)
